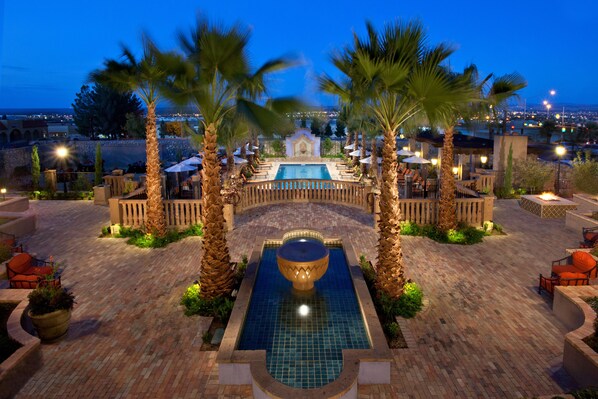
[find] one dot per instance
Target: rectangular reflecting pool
(302, 171)
(304, 334)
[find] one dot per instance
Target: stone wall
(13, 158)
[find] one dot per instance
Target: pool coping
(360, 366)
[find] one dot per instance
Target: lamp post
(560, 151)
(62, 152)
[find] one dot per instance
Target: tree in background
(135, 126)
(98, 166)
(316, 126)
(327, 145)
(340, 128)
(328, 130)
(35, 167)
(531, 174)
(508, 182)
(547, 129)
(100, 109)
(303, 122)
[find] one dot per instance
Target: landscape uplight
(3, 192)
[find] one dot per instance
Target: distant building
(61, 130)
(22, 131)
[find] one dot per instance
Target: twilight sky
(47, 48)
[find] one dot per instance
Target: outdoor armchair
(11, 241)
(578, 262)
(590, 237)
(25, 271)
(548, 283)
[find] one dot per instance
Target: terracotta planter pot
(52, 326)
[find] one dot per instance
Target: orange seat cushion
(20, 263)
(583, 261)
(573, 279)
(590, 236)
(41, 271)
(559, 269)
(25, 281)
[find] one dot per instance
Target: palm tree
(397, 72)
(144, 76)
(501, 90)
(218, 81)
(464, 95)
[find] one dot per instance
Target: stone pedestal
(101, 194)
(116, 216)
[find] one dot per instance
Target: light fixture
(405, 148)
(552, 92)
(3, 192)
(545, 102)
(417, 153)
(560, 150)
(455, 170)
(484, 159)
(434, 161)
(303, 310)
(401, 136)
(62, 152)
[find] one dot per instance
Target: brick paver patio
(485, 333)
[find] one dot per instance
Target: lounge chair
(25, 271)
(590, 237)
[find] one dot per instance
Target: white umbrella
(180, 167)
(253, 147)
(192, 161)
(405, 153)
(357, 153)
(247, 152)
(238, 161)
(349, 147)
(368, 160)
(414, 159)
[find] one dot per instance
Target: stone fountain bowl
(303, 261)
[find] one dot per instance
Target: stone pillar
(50, 179)
(409, 186)
(116, 215)
(488, 209)
(196, 186)
(376, 194)
(101, 194)
(501, 153)
(367, 190)
(229, 216)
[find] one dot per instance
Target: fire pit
(547, 205)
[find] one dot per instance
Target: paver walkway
(485, 333)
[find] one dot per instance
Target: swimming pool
(302, 171)
(304, 333)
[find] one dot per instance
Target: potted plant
(50, 311)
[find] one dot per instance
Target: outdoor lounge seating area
(25, 271)
(576, 269)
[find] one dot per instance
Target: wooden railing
(282, 191)
(473, 211)
(180, 214)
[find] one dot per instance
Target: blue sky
(47, 48)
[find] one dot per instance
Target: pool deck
(485, 333)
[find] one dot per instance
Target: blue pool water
(304, 351)
(305, 171)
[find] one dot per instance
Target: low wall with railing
(180, 214)
(473, 211)
(303, 190)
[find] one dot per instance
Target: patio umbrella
(192, 161)
(368, 160)
(247, 152)
(180, 167)
(414, 159)
(349, 147)
(357, 153)
(238, 161)
(405, 153)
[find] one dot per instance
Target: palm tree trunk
(363, 166)
(390, 276)
(216, 276)
(374, 161)
(447, 218)
(355, 148)
(155, 221)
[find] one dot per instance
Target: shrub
(5, 252)
(145, 240)
(464, 235)
(35, 167)
(47, 299)
(369, 274)
(98, 166)
(278, 147)
(410, 302)
(392, 329)
(81, 184)
(241, 268)
(327, 145)
(531, 174)
(585, 176)
(219, 308)
(508, 182)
